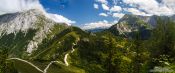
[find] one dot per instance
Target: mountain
(129, 24)
(31, 39)
(32, 43)
(151, 20)
(25, 30)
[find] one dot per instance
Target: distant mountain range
(131, 23)
(40, 41)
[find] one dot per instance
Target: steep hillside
(22, 32)
(32, 43)
(130, 24)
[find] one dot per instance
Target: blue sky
(90, 14)
(104, 13)
(81, 11)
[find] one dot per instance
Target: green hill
(124, 48)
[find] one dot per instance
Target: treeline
(5, 65)
(106, 53)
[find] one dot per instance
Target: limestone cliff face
(23, 22)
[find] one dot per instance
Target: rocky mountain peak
(21, 21)
(132, 23)
(14, 23)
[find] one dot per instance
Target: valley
(136, 44)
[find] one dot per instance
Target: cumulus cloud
(103, 14)
(118, 15)
(102, 1)
(136, 11)
(60, 19)
(9, 6)
(116, 9)
(169, 3)
(96, 6)
(166, 7)
(99, 24)
(140, 7)
(105, 7)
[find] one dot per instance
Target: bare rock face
(23, 21)
(129, 24)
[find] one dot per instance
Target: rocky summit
(32, 43)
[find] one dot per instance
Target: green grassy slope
(103, 52)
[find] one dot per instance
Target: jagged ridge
(23, 21)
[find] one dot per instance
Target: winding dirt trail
(42, 71)
(47, 67)
(27, 63)
(66, 55)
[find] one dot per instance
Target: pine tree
(162, 42)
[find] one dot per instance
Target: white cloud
(136, 11)
(118, 15)
(9, 6)
(116, 9)
(169, 3)
(60, 19)
(103, 14)
(137, 7)
(99, 24)
(96, 6)
(105, 7)
(1, 12)
(102, 1)
(167, 7)
(115, 21)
